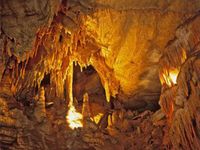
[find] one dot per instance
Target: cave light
(97, 118)
(73, 117)
(169, 77)
(173, 75)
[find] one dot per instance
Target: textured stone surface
(127, 43)
(132, 36)
(183, 119)
(20, 21)
(180, 102)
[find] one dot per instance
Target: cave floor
(119, 129)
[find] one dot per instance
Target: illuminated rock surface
(130, 52)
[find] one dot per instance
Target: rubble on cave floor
(37, 120)
(121, 129)
(125, 130)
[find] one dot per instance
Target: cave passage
(100, 74)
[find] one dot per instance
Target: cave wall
(20, 21)
(180, 101)
(131, 36)
(129, 43)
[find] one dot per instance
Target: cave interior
(100, 75)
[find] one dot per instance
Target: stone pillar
(40, 111)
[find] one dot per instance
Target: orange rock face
(142, 51)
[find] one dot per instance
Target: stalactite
(110, 83)
(107, 91)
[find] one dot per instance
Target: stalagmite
(73, 117)
(40, 111)
(86, 112)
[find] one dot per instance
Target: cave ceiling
(123, 40)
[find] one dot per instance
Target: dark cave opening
(88, 81)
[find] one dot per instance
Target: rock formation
(133, 56)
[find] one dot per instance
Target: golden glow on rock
(184, 56)
(173, 75)
(97, 118)
(107, 91)
(169, 77)
(73, 117)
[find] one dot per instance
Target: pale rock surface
(132, 35)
